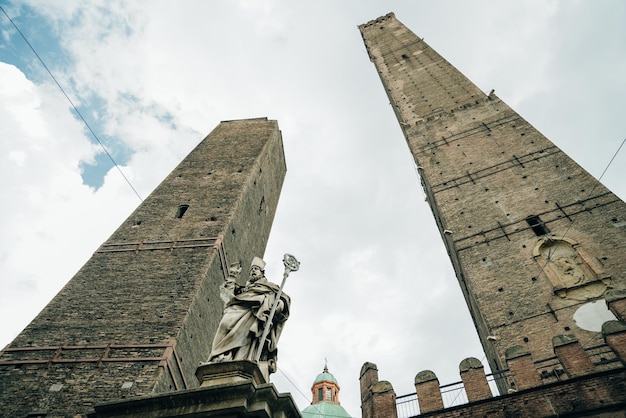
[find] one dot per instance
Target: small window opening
(320, 394)
(405, 56)
(181, 211)
(328, 394)
(537, 225)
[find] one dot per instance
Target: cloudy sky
(153, 78)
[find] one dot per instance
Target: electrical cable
(542, 267)
(597, 334)
(119, 169)
(542, 270)
(72, 104)
(111, 157)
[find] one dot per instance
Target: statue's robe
(245, 316)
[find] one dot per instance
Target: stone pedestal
(234, 389)
(231, 372)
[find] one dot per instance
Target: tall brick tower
(140, 315)
(533, 238)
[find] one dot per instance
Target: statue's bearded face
(255, 273)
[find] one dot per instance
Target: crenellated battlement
(535, 241)
(380, 19)
(587, 377)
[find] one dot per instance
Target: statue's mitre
(256, 261)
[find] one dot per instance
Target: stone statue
(246, 312)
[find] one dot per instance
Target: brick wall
(485, 170)
(599, 395)
(572, 355)
(474, 379)
(146, 305)
(378, 399)
(522, 368)
(428, 392)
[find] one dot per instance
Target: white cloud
(40, 187)
(352, 209)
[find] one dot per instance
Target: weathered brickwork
(378, 399)
(531, 235)
(428, 392)
(586, 396)
(572, 356)
(614, 333)
(616, 301)
(140, 315)
(522, 369)
(474, 379)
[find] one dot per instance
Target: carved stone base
(211, 374)
(235, 389)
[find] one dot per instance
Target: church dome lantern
(325, 397)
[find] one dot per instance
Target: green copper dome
(325, 376)
(325, 402)
(324, 410)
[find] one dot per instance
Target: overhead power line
(72, 104)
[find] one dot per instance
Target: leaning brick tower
(535, 241)
(140, 315)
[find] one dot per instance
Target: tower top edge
(260, 119)
(379, 19)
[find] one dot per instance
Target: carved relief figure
(569, 270)
(563, 264)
